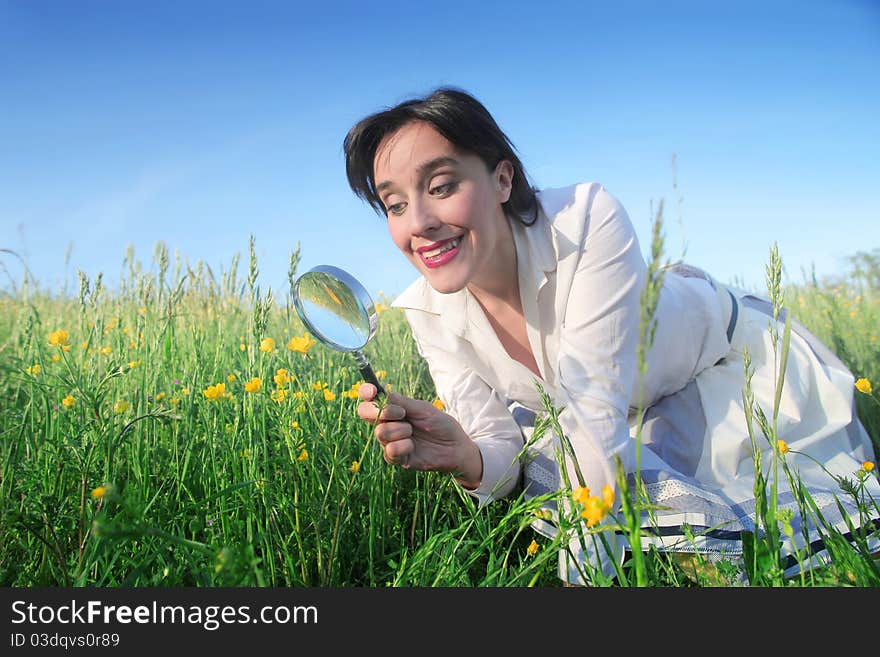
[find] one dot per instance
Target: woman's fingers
(389, 432)
(398, 451)
(367, 410)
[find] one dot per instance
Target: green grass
(250, 490)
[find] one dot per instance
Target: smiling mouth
(442, 254)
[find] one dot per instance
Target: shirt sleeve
(597, 354)
(479, 409)
(598, 339)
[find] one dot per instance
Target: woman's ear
(503, 176)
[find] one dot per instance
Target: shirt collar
(536, 257)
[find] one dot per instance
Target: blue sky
(199, 124)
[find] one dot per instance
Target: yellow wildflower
(782, 446)
(230, 378)
(294, 425)
(101, 492)
(184, 391)
(159, 396)
(329, 395)
(302, 343)
(121, 406)
(68, 401)
(596, 508)
(303, 455)
(580, 494)
(868, 466)
(33, 370)
(55, 358)
(317, 385)
(142, 310)
(438, 403)
(132, 364)
(241, 347)
(532, 550)
(106, 350)
(863, 385)
(299, 394)
(254, 385)
(267, 345)
(380, 307)
(213, 393)
(381, 374)
(59, 338)
(282, 378)
(543, 514)
(278, 395)
(245, 453)
(355, 466)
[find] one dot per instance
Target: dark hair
(461, 119)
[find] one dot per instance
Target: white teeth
(443, 249)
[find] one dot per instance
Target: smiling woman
(524, 293)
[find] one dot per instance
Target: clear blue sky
(202, 123)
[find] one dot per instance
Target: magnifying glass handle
(366, 371)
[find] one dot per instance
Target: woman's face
(443, 207)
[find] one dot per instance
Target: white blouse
(581, 275)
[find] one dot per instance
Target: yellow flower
(267, 345)
(241, 347)
(543, 514)
(121, 406)
(59, 338)
(580, 494)
(782, 446)
(299, 394)
(142, 310)
(329, 395)
(282, 378)
(380, 307)
(868, 466)
(159, 396)
(303, 455)
(55, 358)
(254, 385)
(596, 508)
(594, 511)
(863, 385)
(213, 393)
(230, 378)
(33, 370)
(317, 385)
(438, 403)
(245, 453)
(302, 343)
(294, 425)
(132, 364)
(184, 391)
(105, 350)
(381, 374)
(68, 401)
(355, 466)
(278, 395)
(101, 492)
(533, 548)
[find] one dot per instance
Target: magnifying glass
(338, 311)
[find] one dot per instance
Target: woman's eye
(396, 208)
(444, 189)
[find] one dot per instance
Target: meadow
(185, 430)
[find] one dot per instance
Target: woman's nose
(422, 218)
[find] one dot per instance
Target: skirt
(697, 460)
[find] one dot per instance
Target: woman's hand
(416, 434)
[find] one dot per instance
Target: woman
(520, 287)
